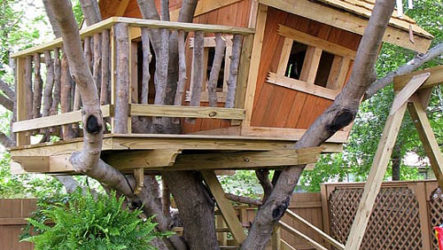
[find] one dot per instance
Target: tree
(357, 156)
(193, 200)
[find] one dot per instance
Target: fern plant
(86, 222)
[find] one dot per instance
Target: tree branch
(6, 140)
(6, 102)
(243, 199)
(91, 11)
(263, 178)
(406, 68)
(7, 90)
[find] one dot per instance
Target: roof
(353, 16)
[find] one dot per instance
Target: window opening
(324, 69)
(295, 62)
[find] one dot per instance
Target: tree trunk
(196, 209)
(396, 161)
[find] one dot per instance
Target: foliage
(243, 182)
(94, 223)
(355, 161)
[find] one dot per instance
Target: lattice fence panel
(435, 212)
(394, 223)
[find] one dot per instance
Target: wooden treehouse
(283, 63)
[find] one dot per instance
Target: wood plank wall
(12, 218)
(275, 106)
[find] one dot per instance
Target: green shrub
(85, 222)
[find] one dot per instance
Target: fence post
(325, 209)
(420, 194)
(276, 238)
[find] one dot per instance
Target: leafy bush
(81, 221)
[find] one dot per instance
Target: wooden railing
(118, 54)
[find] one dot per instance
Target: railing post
(22, 138)
(121, 83)
(420, 194)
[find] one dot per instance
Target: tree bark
(91, 11)
(47, 96)
(263, 178)
(233, 71)
(396, 161)
(122, 78)
(57, 82)
(65, 96)
(337, 116)
(196, 209)
(146, 76)
(38, 84)
(7, 90)
(96, 68)
(181, 68)
(215, 70)
(28, 86)
(105, 68)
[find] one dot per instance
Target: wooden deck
(154, 152)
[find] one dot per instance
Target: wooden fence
(12, 218)
(404, 215)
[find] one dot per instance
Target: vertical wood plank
(284, 57)
(310, 64)
(375, 178)
(428, 139)
(420, 194)
(224, 205)
(276, 238)
(253, 68)
(22, 138)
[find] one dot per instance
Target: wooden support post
(122, 79)
(420, 194)
(139, 177)
(276, 238)
(427, 137)
(373, 183)
(225, 206)
(221, 236)
(22, 111)
(257, 44)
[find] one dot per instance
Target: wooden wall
(12, 218)
(276, 106)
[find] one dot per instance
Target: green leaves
(82, 221)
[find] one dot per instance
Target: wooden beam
(276, 238)
(314, 41)
(310, 64)
(55, 120)
(289, 133)
(257, 44)
(121, 8)
(295, 232)
(406, 92)
(246, 160)
(434, 79)
(123, 160)
(186, 111)
(348, 21)
(224, 205)
(22, 112)
(375, 178)
(302, 86)
(325, 236)
(428, 139)
(284, 56)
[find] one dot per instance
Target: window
(311, 64)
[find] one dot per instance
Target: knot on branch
(280, 209)
(342, 119)
(92, 125)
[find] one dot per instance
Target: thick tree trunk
(91, 11)
(122, 78)
(337, 116)
(396, 162)
(196, 209)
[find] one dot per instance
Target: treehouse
(253, 76)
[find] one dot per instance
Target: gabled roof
(353, 16)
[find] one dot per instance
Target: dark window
(296, 58)
(324, 69)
